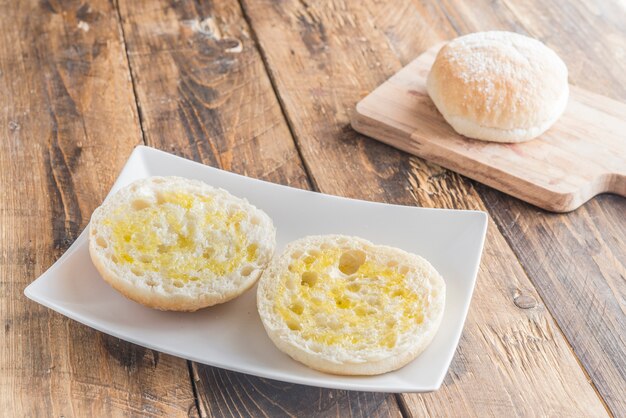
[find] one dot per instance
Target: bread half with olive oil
(177, 244)
(343, 305)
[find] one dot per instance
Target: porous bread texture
(177, 244)
(498, 86)
(343, 305)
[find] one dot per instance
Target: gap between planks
(120, 26)
(270, 74)
(190, 369)
(193, 378)
(405, 411)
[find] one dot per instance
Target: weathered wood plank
(204, 93)
(578, 264)
(512, 359)
(229, 394)
(577, 261)
(68, 122)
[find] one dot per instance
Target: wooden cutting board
(582, 155)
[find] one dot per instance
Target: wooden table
(266, 89)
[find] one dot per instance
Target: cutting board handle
(617, 184)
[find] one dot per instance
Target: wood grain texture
(229, 394)
(204, 94)
(578, 264)
(203, 91)
(581, 156)
(576, 261)
(68, 124)
(512, 360)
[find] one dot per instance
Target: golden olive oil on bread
(343, 305)
(176, 244)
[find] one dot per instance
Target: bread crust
(498, 86)
(336, 359)
(154, 288)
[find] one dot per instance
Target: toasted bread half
(343, 305)
(177, 244)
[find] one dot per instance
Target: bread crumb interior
(342, 297)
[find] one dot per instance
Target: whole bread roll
(343, 305)
(498, 86)
(177, 244)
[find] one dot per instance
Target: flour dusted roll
(343, 305)
(498, 86)
(176, 244)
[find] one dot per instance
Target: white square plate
(231, 335)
